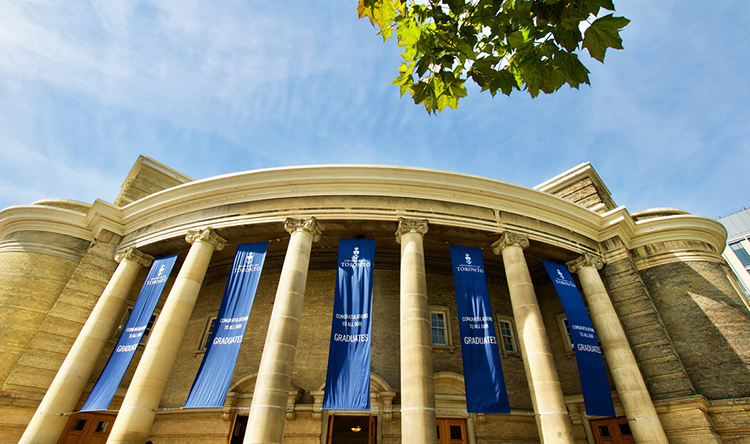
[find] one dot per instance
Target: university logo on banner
(215, 374)
(594, 383)
(483, 373)
(106, 386)
(348, 374)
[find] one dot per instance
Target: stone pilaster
(133, 423)
(48, 423)
(547, 398)
(271, 394)
(631, 388)
(417, 387)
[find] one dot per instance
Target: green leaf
(568, 35)
(505, 82)
(602, 34)
(502, 45)
(572, 69)
(517, 39)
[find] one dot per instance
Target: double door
(612, 431)
(89, 428)
(451, 431)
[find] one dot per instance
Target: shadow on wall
(708, 323)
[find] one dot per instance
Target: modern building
(737, 250)
(672, 326)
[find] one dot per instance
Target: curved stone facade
(678, 361)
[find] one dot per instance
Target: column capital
(310, 225)
(510, 239)
(585, 260)
(132, 254)
(208, 235)
(411, 226)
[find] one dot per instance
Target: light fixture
(356, 429)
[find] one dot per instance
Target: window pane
(567, 331)
(625, 429)
(506, 331)
(209, 332)
(603, 431)
(456, 432)
(78, 424)
(741, 254)
(508, 345)
(102, 427)
(437, 320)
(438, 336)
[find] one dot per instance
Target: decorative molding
(585, 260)
(45, 219)
(208, 235)
(411, 226)
(510, 239)
(27, 246)
(104, 216)
(291, 403)
(310, 225)
(210, 202)
(132, 254)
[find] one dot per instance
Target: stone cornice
(105, 216)
(46, 219)
(397, 185)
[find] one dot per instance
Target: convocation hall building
(670, 317)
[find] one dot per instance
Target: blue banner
(483, 373)
(215, 373)
(596, 394)
(106, 386)
(348, 375)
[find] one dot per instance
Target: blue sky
(216, 87)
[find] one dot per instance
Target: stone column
(133, 423)
(547, 397)
(417, 387)
(639, 409)
(271, 393)
(48, 423)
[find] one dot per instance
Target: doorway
(238, 430)
(612, 431)
(451, 431)
(352, 429)
(89, 428)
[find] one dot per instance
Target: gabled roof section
(148, 177)
(581, 185)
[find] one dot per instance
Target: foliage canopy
(502, 45)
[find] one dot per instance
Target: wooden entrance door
(352, 429)
(612, 431)
(89, 428)
(451, 431)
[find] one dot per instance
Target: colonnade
(268, 410)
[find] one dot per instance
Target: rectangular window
(741, 254)
(146, 333)
(562, 322)
(440, 326)
(507, 334)
(207, 332)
